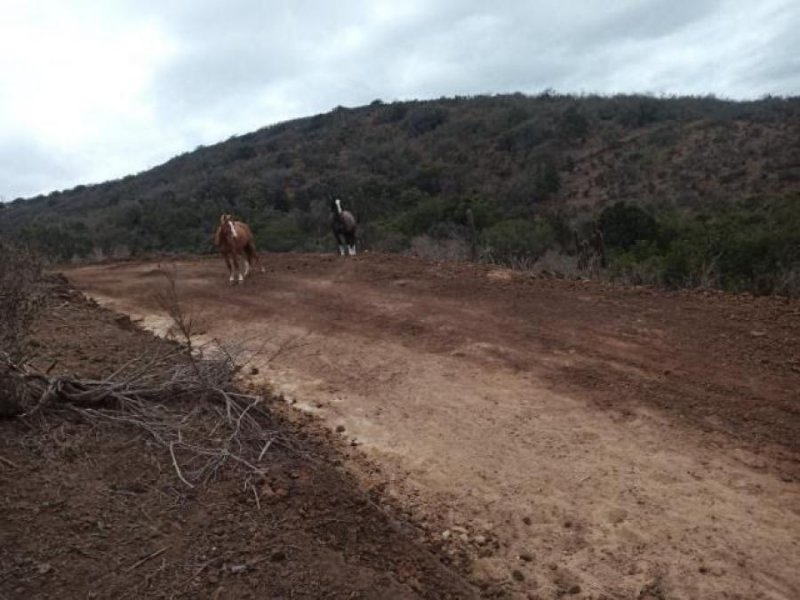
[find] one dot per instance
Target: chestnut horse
(343, 224)
(234, 238)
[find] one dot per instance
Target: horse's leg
(340, 242)
(229, 265)
(249, 253)
(351, 244)
(235, 271)
(254, 258)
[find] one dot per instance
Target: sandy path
(623, 443)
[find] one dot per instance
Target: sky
(98, 89)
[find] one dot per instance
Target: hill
(531, 169)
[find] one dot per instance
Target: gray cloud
(235, 66)
(33, 167)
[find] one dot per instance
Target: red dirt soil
(88, 511)
(550, 437)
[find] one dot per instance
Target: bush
(754, 246)
(20, 299)
(518, 238)
(624, 225)
(424, 119)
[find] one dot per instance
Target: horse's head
(226, 226)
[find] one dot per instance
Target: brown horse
(234, 238)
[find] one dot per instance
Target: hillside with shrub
(689, 191)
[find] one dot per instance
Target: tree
(624, 225)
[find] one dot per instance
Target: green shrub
(518, 238)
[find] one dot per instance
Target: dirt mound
(90, 512)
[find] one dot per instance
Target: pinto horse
(234, 238)
(343, 224)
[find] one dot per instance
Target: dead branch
(155, 554)
(8, 462)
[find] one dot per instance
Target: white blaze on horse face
(338, 206)
(233, 229)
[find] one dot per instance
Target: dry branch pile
(183, 399)
(185, 404)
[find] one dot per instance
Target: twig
(146, 558)
(265, 448)
(8, 462)
(175, 464)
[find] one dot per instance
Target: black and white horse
(344, 228)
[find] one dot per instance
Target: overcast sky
(97, 89)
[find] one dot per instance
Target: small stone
(44, 568)
(253, 370)
(526, 520)
(340, 428)
(446, 534)
(480, 540)
(575, 589)
(526, 556)
(517, 575)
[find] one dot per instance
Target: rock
(617, 515)
(487, 571)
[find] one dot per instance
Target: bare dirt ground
(554, 438)
(88, 511)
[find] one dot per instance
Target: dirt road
(572, 438)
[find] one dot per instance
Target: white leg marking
(246, 268)
(241, 279)
(341, 250)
